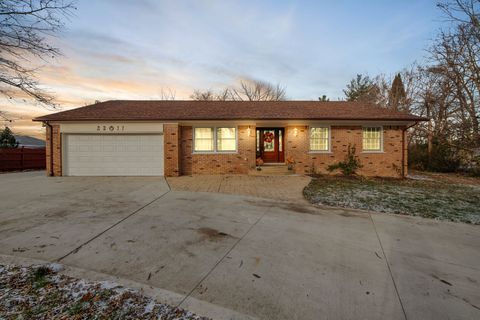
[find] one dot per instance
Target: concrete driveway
(236, 257)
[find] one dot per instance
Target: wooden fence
(22, 159)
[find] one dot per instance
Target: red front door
(271, 144)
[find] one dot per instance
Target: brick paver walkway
(273, 187)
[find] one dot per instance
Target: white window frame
(381, 140)
(215, 150)
(213, 142)
(329, 139)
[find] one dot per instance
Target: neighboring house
(29, 142)
(172, 138)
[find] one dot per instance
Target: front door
(270, 144)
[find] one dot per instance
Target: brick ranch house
(172, 138)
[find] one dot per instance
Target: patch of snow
(56, 267)
(97, 299)
(149, 307)
(108, 284)
(419, 177)
(79, 288)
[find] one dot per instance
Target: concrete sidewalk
(237, 257)
(287, 188)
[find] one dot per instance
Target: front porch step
(271, 170)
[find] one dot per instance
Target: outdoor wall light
(295, 132)
(249, 131)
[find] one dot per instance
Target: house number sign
(110, 128)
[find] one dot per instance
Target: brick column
(57, 151)
(186, 150)
(171, 140)
(297, 147)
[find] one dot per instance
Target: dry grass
(455, 178)
(40, 292)
(448, 198)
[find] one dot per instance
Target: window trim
(216, 140)
(194, 139)
(329, 150)
(381, 140)
(215, 150)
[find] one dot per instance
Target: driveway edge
(198, 307)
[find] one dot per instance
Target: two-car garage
(114, 150)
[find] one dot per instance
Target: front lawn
(430, 198)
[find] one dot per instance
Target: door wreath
(268, 137)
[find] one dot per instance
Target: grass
(40, 292)
(39, 277)
(77, 308)
(425, 198)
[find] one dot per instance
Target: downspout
(404, 148)
(51, 147)
(404, 131)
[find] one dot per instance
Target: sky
(143, 49)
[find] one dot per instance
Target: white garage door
(113, 155)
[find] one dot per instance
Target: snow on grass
(425, 198)
(56, 267)
(39, 292)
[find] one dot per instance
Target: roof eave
(416, 119)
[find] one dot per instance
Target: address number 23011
(110, 128)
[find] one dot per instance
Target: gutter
(416, 119)
(51, 147)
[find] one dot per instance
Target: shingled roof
(176, 110)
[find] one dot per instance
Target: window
(280, 139)
(319, 139)
(215, 139)
(203, 139)
(372, 139)
(226, 139)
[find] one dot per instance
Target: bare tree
(247, 90)
(207, 95)
(25, 27)
(210, 95)
(168, 94)
(255, 90)
(462, 11)
(434, 95)
(456, 56)
(446, 90)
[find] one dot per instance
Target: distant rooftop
(31, 142)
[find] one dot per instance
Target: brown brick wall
(171, 141)
(386, 164)
(187, 147)
(57, 151)
(219, 163)
(179, 159)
